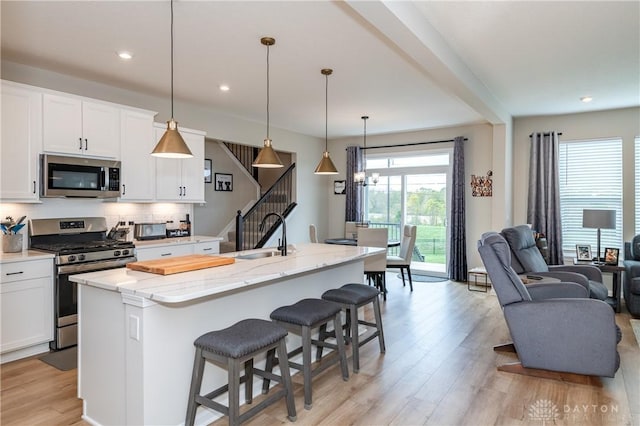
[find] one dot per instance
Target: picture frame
(611, 256)
(207, 171)
(583, 252)
(340, 187)
(224, 182)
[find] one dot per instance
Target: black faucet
(283, 240)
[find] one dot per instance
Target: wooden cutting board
(174, 265)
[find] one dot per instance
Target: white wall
(623, 123)
(311, 201)
(478, 160)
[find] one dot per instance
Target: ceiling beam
(404, 25)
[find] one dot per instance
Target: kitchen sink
(258, 255)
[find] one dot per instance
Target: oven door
(66, 299)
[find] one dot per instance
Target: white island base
(136, 353)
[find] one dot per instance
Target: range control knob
(81, 257)
(125, 252)
(71, 258)
(117, 253)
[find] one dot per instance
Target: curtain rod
(410, 144)
(547, 134)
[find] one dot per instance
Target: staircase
(278, 199)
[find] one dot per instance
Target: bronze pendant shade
(171, 144)
(267, 157)
(326, 166)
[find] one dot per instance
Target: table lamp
(600, 219)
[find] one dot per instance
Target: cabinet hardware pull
(86, 144)
(34, 186)
(124, 189)
(80, 139)
(207, 249)
(15, 273)
(165, 254)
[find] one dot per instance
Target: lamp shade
(171, 144)
(601, 219)
(326, 166)
(267, 157)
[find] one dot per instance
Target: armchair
(631, 286)
(555, 327)
(526, 259)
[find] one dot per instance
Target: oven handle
(95, 266)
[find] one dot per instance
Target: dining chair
(403, 260)
(375, 266)
(350, 230)
(313, 233)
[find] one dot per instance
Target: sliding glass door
(413, 191)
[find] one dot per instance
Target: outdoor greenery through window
(590, 178)
(411, 190)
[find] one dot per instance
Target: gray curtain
(354, 192)
(543, 207)
(457, 270)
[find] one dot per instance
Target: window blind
(590, 178)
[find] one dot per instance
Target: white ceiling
(408, 65)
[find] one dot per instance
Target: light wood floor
(439, 369)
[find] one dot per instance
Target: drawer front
(210, 247)
(150, 253)
(18, 271)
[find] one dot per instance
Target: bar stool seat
(351, 297)
(301, 318)
(232, 348)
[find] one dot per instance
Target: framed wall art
(207, 171)
(224, 182)
(339, 186)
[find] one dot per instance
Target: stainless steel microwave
(79, 177)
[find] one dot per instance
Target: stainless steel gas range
(80, 245)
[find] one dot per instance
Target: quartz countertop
(162, 242)
(24, 255)
(187, 286)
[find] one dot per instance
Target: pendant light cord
(267, 91)
(326, 111)
(172, 59)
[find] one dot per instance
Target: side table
(616, 280)
(475, 273)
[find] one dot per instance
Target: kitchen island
(136, 330)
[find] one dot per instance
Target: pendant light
(326, 166)
(360, 177)
(171, 144)
(267, 157)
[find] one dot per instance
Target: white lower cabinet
(150, 253)
(26, 306)
(164, 249)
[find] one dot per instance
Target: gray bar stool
(233, 348)
(351, 297)
(301, 318)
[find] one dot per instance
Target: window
(637, 183)
(590, 178)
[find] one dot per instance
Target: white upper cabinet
(80, 127)
(181, 180)
(21, 142)
(138, 170)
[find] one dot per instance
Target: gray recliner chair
(527, 259)
(554, 326)
(631, 287)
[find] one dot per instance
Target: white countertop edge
(24, 255)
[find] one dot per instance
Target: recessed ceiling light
(125, 55)
(224, 88)
(586, 99)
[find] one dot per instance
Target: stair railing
(245, 155)
(278, 199)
